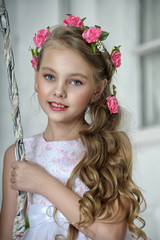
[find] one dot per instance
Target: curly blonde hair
(106, 168)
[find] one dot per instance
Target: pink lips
(57, 106)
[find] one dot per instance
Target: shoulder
(33, 137)
(9, 158)
(33, 140)
(8, 207)
(9, 155)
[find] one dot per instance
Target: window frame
(149, 135)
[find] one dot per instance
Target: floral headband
(94, 36)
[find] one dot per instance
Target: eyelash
(47, 76)
(79, 82)
(50, 77)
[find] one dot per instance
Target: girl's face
(65, 85)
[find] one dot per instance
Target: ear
(99, 89)
(35, 81)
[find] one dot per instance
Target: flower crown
(94, 36)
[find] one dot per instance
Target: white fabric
(43, 226)
(58, 158)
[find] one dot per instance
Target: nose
(59, 91)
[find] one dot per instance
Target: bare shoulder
(10, 151)
(9, 158)
(9, 155)
(8, 207)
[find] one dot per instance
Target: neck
(62, 132)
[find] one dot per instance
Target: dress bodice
(59, 158)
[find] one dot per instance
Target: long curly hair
(106, 168)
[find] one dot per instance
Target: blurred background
(132, 24)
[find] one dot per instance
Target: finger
(30, 162)
(12, 180)
(14, 164)
(17, 164)
(14, 186)
(12, 172)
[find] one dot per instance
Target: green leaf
(114, 91)
(26, 223)
(93, 45)
(36, 51)
(116, 48)
(114, 69)
(97, 26)
(68, 14)
(83, 19)
(85, 27)
(32, 51)
(104, 36)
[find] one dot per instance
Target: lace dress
(58, 158)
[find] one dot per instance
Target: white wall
(146, 174)
(120, 18)
(26, 17)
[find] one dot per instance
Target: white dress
(58, 158)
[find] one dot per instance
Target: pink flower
(41, 37)
(34, 61)
(112, 104)
(92, 34)
(116, 58)
(73, 21)
(5, 46)
(18, 236)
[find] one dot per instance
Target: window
(149, 51)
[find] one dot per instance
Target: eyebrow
(48, 68)
(72, 74)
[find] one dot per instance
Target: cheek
(42, 94)
(43, 90)
(82, 99)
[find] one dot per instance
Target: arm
(31, 177)
(97, 230)
(9, 202)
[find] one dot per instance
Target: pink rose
(5, 46)
(73, 21)
(112, 104)
(34, 61)
(18, 236)
(41, 37)
(116, 58)
(92, 34)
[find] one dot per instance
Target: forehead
(66, 58)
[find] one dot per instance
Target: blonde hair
(107, 163)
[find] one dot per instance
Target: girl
(78, 172)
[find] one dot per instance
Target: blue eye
(76, 82)
(49, 77)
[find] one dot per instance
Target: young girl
(78, 172)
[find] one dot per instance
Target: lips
(57, 106)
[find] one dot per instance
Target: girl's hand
(28, 176)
